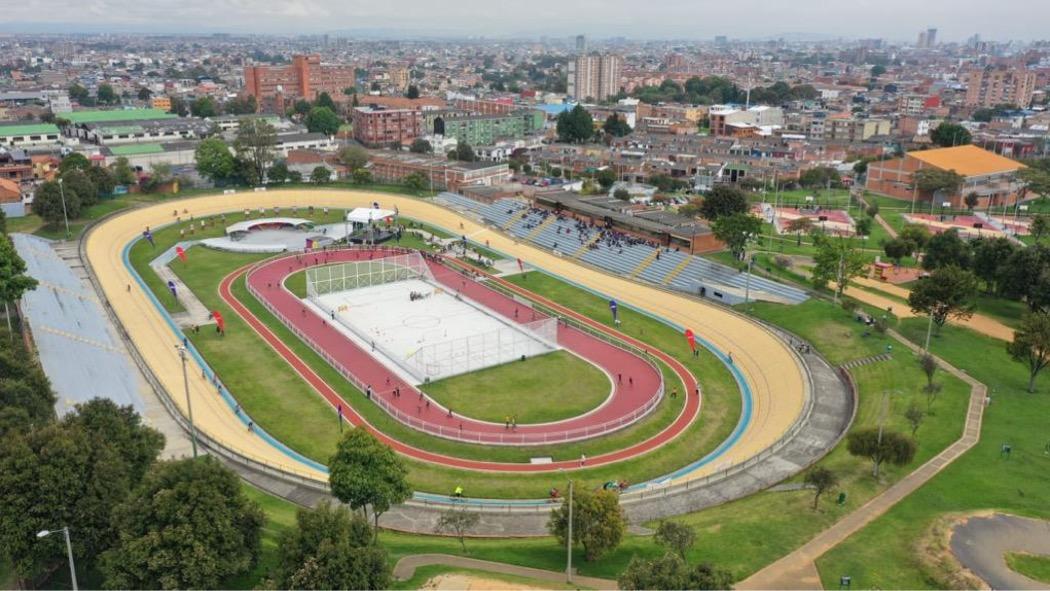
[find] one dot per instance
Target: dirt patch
(935, 555)
(463, 582)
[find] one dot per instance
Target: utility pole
(189, 405)
(568, 540)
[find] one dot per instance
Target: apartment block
(595, 76)
(380, 126)
(999, 85)
(306, 77)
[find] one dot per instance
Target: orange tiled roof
(967, 160)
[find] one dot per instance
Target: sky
(652, 19)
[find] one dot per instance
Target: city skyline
(806, 19)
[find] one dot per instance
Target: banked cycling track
(764, 364)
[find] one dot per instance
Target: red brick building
(306, 77)
(378, 126)
(441, 173)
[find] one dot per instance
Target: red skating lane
(636, 382)
(689, 412)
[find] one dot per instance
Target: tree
(241, 105)
(881, 446)
(122, 172)
(301, 108)
(465, 152)
(322, 120)
(353, 157)
(971, 199)
(188, 525)
(1036, 179)
(947, 135)
(821, 480)
(820, 177)
(671, 572)
(989, 256)
(838, 259)
(947, 249)
(416, 181)
(412, 92)
(723, 200)
(74, 161)
(948, 292)
(254, 146)
(598, 522)
(78, 93)
(458, 522)
(622, 194)
(897, 249)
(917, 234)
(105, 94)
(575, 126)
(324, 100)
(103, 180)
(421, 146)
(934, 180)
(204, 106)
(144, 93)
(1026, 276)
(1031, 344)
(1039, 227)
(674, 536)
(863, 226)
(77, 182)
(362, 176)
(179, 106)
(606, 178)
(929, 366)
(215, 161)
(365, 473)
(331, 548)
(736, 231)
(320, 175)
(799, 226)
(47, 203)
(277, 173)
(914, 415)
(14, 282)
(616, 126)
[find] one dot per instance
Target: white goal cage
(356, 274)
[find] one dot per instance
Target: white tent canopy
(248, 225)
(365, 215)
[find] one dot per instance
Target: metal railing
(456, 433)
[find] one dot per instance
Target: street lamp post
(568, 540)
(929, 331)
(65, 217)
(747, 283)
(189, 405)
(69, 552)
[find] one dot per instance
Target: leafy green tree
(254, 146)
(1031, 344)
(421, 146)
(917, 234)
(144, 93)
(989, 257)
(821, 480)
(929, 365)
(971, 200)
(947, 135)
(947, 249)
(457, 522)
(278, 172)
(14, 282)
(188, 525)
(331, 548)
(465, 152)
(616, 126)
(671, 572)
(838, 259)
(78, 183)
(606, 178)
(575, 126)
(74, 161)
(325, 100)
(354, 157)
(179, 106)
(722, 201)
(47, 203)
(320, 175)
(934, 180)
(897, 249)
(412, 92)
(736, 231)
(122, 172)
(365, 473)
(799, 226)
(1036, 179)
(121, 427)
(598, 522)
(948, 292)
(78, 93)
(622, 194)
(215, 161)
(914, 415)
(416, 181)
(674, 536)
(1039, 227)
(204, 106)
(820, 177)
(105, 94)
(863, 226)
(322, 120)
(301, 107)
(103, 179)
(362, 176)
(878, 70)
(241, 105)
(1026, 276)
(879, 447)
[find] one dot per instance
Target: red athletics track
(636, 383)
(689, 412)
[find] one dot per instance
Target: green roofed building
(136, 149)
(18, 135)
(115, 115)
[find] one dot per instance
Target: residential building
(305, 77)
(991, 176)
(11, 199)
(728, 120)
(480, 130)
(595, 76)
(999, 85)
(399, 78)
(380, 126)
(440, 172)
(23, 135)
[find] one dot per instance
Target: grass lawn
(531, 391)
(885, 553)
(1030, 565)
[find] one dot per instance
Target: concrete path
(195, 314)
(981, 543)
(406, 567)
(796, 570)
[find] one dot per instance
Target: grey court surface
(980, 544)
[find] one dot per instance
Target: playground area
(968, 226)
(830, 221)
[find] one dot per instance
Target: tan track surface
(771, 369)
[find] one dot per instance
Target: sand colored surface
(766, 363)
(457, 581)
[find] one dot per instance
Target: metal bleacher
(699, 275)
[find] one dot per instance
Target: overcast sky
(649, 19)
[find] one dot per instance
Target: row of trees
(83, 185)
(717, 90)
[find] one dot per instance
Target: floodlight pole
(189, 405)
(568, 540)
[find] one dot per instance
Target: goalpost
(355, 274)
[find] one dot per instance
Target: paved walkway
(797, 570)
(981, 543)
(406, 567)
